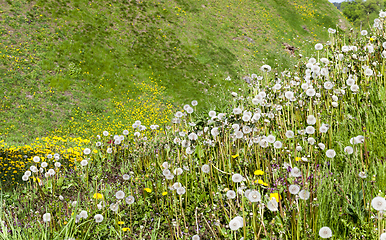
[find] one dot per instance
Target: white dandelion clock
(272, 205)
(36, 159)
(310, 130)
(311, 119)
(25, 178)
(318, 46)
(325, 232)
(294, 189)
(196, 237)
(205, 168)
(379, 203)
(178, 171)
(383, 236)
(98, 218)
(363, 32)
(265, 68)
(87, 151)
(237, 111)
(27, 173)
(348, 150)
(181, 190)
(271, 139)
(114, 207)
(194, 103)
(84, 162)
(231, 194)
(277, 145)
(44, 164)
(295, 172)
(126, 177)
(368, 72)
(51, 172)
(237, 178)
(254, 196)
(330, 153)
(47, 217)
(212, 114)
(310, 92)
(83, 214)
(57, 164)
(289, 134)
(130, 200)
(304, 194)
(239, 134)
(234, 224)
(120, 195)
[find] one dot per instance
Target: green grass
(89, 52)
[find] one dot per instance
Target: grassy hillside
(79, 67)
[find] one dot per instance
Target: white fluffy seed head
(379, 203)
(47, 217)
(295, 172)
(294, 189)
(330, 153)
(237, 178)
(120, 195)
(98, 218)
(325, 232)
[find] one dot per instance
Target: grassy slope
(63, 61)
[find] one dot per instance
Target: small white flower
(362, 175)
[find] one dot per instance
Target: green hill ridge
(73, 66)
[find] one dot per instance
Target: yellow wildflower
(259, 172)
(98, 196)
(164, 193)
(235, 156)
(275, 195)
(120, 222)
(147, 190)
(262, 182)
(125, 229)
